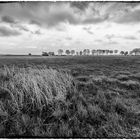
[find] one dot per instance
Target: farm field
(70, 96)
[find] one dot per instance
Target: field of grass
(74, 97)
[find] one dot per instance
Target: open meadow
(70, 96)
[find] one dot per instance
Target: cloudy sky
(48, 26)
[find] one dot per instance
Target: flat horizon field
(77, 65)
(70, 96)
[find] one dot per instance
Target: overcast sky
(33, 27)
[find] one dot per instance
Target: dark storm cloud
(51, 14)
(59, 17)
(8, 19)
(35, 22)
(55, 18)
(80, 5)
(47, 14)
(14, 24)
(1, 7)
(4, 31)
(130, 17)
(123, 12)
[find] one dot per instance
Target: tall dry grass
(41, 102)
(31, 92)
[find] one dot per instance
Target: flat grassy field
(77, 65)
(70, 96)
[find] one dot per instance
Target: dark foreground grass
(42, 102)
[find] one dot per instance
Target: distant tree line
(135, 51)
(87, 52)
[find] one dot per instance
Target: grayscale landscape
(70, 69)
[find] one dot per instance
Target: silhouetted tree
(72, 52)
(85, 52)
(126, 53)
(93, 52)
(111, 51)
(136, 51)
(115, 51)
(122, 52)
(88, 51)
(60, 51)
(106, 51)
(81, 52)
(99, 51)
(103, 51)
(67, 52)
(29, 54)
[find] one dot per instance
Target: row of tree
(87, 52)
(93, 52)
(135, 51)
